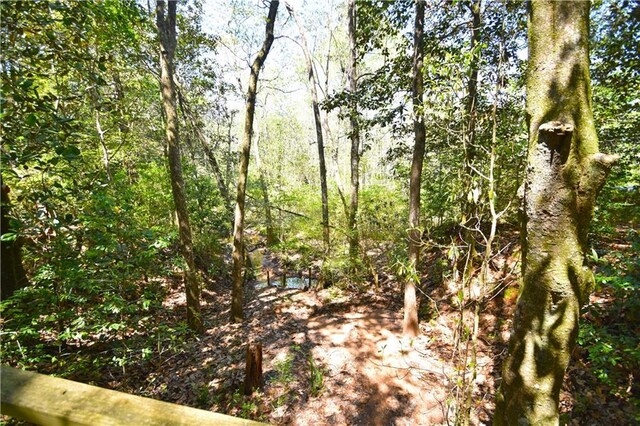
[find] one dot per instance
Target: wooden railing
(49, 400)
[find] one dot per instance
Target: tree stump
(253, 371)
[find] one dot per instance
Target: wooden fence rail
(49, 400)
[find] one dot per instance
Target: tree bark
(253, 378)
(262, 180)
(238, 228)
(272, 238)
(472, 102)
(12, 272)
(564, 175)
(352, 225)
(167, 32)
(410, 322)
(103, 147)
(204, 143)
(318, 122)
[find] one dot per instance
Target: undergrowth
(609, 334)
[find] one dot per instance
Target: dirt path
(371, 374)
(366, 373)
(374, 377)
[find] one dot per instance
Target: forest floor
(335, 356)
(330, 357)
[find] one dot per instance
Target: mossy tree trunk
(166, 23)
(250, 108)
(564, 175)
(410, 322)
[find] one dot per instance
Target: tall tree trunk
(229, 154)
(167, 32)
(271, 235)
(472, 88)
(318, 122)
(12, 272)
(354, 135)
(204, 143)
(410, 323)
(238, 227)
(470, 214)
(564, 175)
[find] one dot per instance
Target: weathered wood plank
(50, 400)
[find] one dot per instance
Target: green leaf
(31, 120)
(9, 237)
(71, 152)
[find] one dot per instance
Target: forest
(368, 212)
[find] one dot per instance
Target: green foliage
(337, 270)
(380, 213)
(83, 154)
(92, 204)
(284, 368)
(316, 374)
(406, 270)
(616, 83)
(248, 410)
(203, 398)
(610, 334)
(45, 326)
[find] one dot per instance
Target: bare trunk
(229, 153)
(352, 224)
(469, 137)
(238, 228)
(204, 143)
(271, 236)
(103, 146)
(477, 300)
(268, 218)
(410, 323)
(167, 31)
(319, 138)
(564, 174)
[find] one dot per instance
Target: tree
(319, 139)
(410, 323)
(264, 188)
(205, 144)
(167, 34)
(250, 107)
(471, 109)
(12, 272)
(564, 175)
(354, 134)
